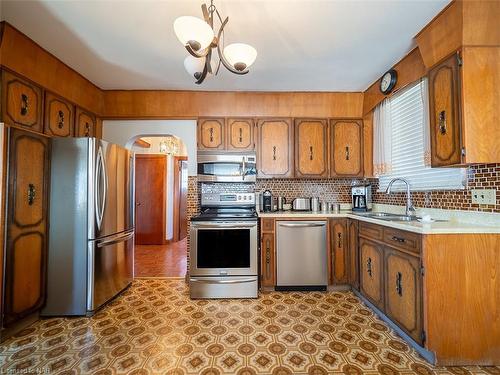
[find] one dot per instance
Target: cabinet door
(311, 148)
(26, 243)
(21, 102)
(267, 262)
(338, 252)
(347, 150)
(239, 134)
(371, 272)
(353, 253)
(403, 292)
(274, 148)
(85, 123)
(211, 134)
(58, 116)
(444, 112)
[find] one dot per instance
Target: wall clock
(388, 81)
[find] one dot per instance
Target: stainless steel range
(223, 251)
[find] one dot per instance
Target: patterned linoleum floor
(154, 328)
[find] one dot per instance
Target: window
(409, 143)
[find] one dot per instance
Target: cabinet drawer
(371, 231)
(267, 225)
(403, 240)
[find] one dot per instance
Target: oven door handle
(216, 226)
(237, 281)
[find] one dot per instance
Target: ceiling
(307, 45)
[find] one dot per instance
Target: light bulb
(240, 55)
(193, 31)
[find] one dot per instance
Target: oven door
(226, 168)
(223, 248)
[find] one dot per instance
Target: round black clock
(388, 81)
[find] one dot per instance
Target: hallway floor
(167, 260)
(154, 328)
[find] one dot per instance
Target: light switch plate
(484, 196)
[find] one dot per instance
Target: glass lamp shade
(240, 55)
(193, 30)
(194, 66)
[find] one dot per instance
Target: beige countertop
(451, 226)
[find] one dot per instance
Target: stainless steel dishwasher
(301, 255)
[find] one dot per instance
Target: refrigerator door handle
(100, 177)
(116, 239)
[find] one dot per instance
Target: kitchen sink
(389, 217)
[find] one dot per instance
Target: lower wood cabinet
(26, 224)
(338, 256)
(267, 254)
(353, 253)
(403, 292)
(371, 269)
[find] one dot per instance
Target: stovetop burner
(226, 213)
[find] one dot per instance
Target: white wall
(125, 132)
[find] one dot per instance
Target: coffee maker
(267, 201)
(361, 197)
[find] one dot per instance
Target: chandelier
(199, 38)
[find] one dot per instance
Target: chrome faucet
(410, 210)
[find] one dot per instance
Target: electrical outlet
(484, 196)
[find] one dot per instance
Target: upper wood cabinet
(403, 292)
(58, 119)
(274, 148)
(26, 224)
(240, 134)
(353, 253)
(338, 252)
(371, 271)
(444, 109)
(21, 102)
(311, 148)
(346, 139)
(211, 133)
(85, 123)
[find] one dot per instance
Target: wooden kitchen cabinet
(371, 271)
(274, 148)
(339, 264)
(240, 134)
(311, 148)
(353, 253)
(346, 139)
(403, 292)
(444, 109)
(26, 224)
(85, 123)
(211, 134)
(267, 254)
(21, 102)
(58, 119)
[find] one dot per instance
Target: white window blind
(409, 121)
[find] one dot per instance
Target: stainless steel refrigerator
(91, 236)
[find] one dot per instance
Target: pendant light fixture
(199, 38)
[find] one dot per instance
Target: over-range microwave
(226, 167)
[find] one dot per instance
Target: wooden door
(274, 148)
(180, 197)
(21, 102)
(403, 292)
(240, 134)
(371, 272)
(150, 221)
(444, 112)
(211, 134)
(347, 148)
(85, 123)
(311, 148)
(26, 243)
(58, 116)
(338, 252)
(353, 253)
(268, 260)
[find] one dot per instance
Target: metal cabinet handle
(211, 130)
(347, 154)
(241, 135)
(442, 122)
(60, 121)
(274, 152)
(398, 239)
(339, 241)
(369, 266)
(399, 283)
(311, 156)
(31, 194)
(87, 129)
(24, 104)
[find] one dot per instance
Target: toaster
(301, 204)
